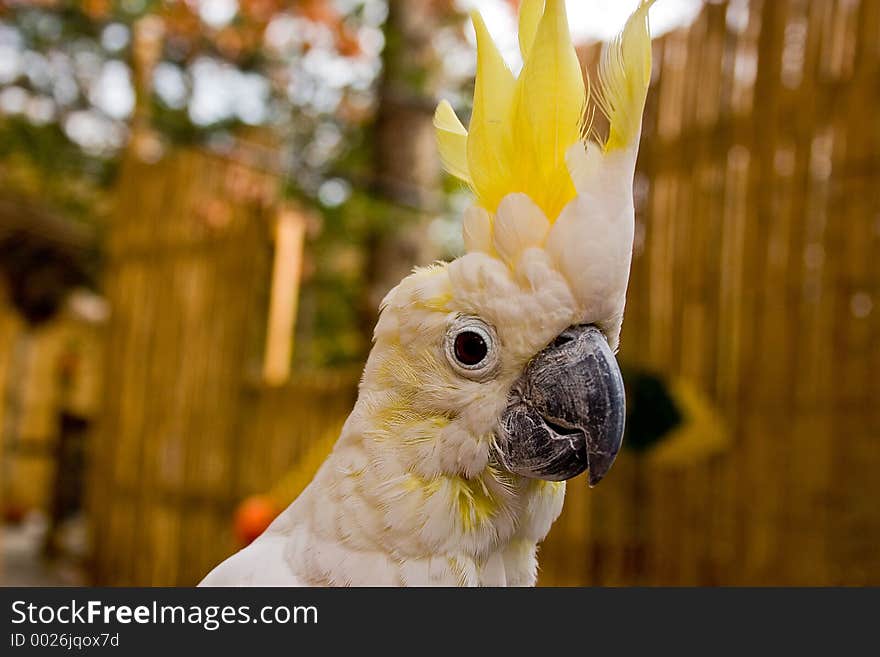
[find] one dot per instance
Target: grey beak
(565, 414)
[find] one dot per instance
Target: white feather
(519, 224)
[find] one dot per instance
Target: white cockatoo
(492, 379)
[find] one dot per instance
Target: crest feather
(624, 76)
(488, 154)
(452, 141)
(522, 130)
(548, 113)
(530, 12)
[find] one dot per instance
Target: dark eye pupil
(470, 348)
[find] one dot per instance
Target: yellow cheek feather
(423, 431)
(471, 501)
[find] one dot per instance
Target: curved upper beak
(565, 414)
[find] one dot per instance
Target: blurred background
(203, 201)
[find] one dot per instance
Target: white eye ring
(474, 333)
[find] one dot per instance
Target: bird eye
(470, 347)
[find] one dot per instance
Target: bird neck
(395, 485)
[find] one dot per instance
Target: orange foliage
(241, 37)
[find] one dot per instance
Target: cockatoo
(492, 379)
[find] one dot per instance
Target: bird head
(502, 360)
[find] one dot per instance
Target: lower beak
(565, 414)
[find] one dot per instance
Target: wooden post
(290, 227)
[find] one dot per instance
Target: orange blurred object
(253, 516)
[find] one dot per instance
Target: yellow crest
(521, 129)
